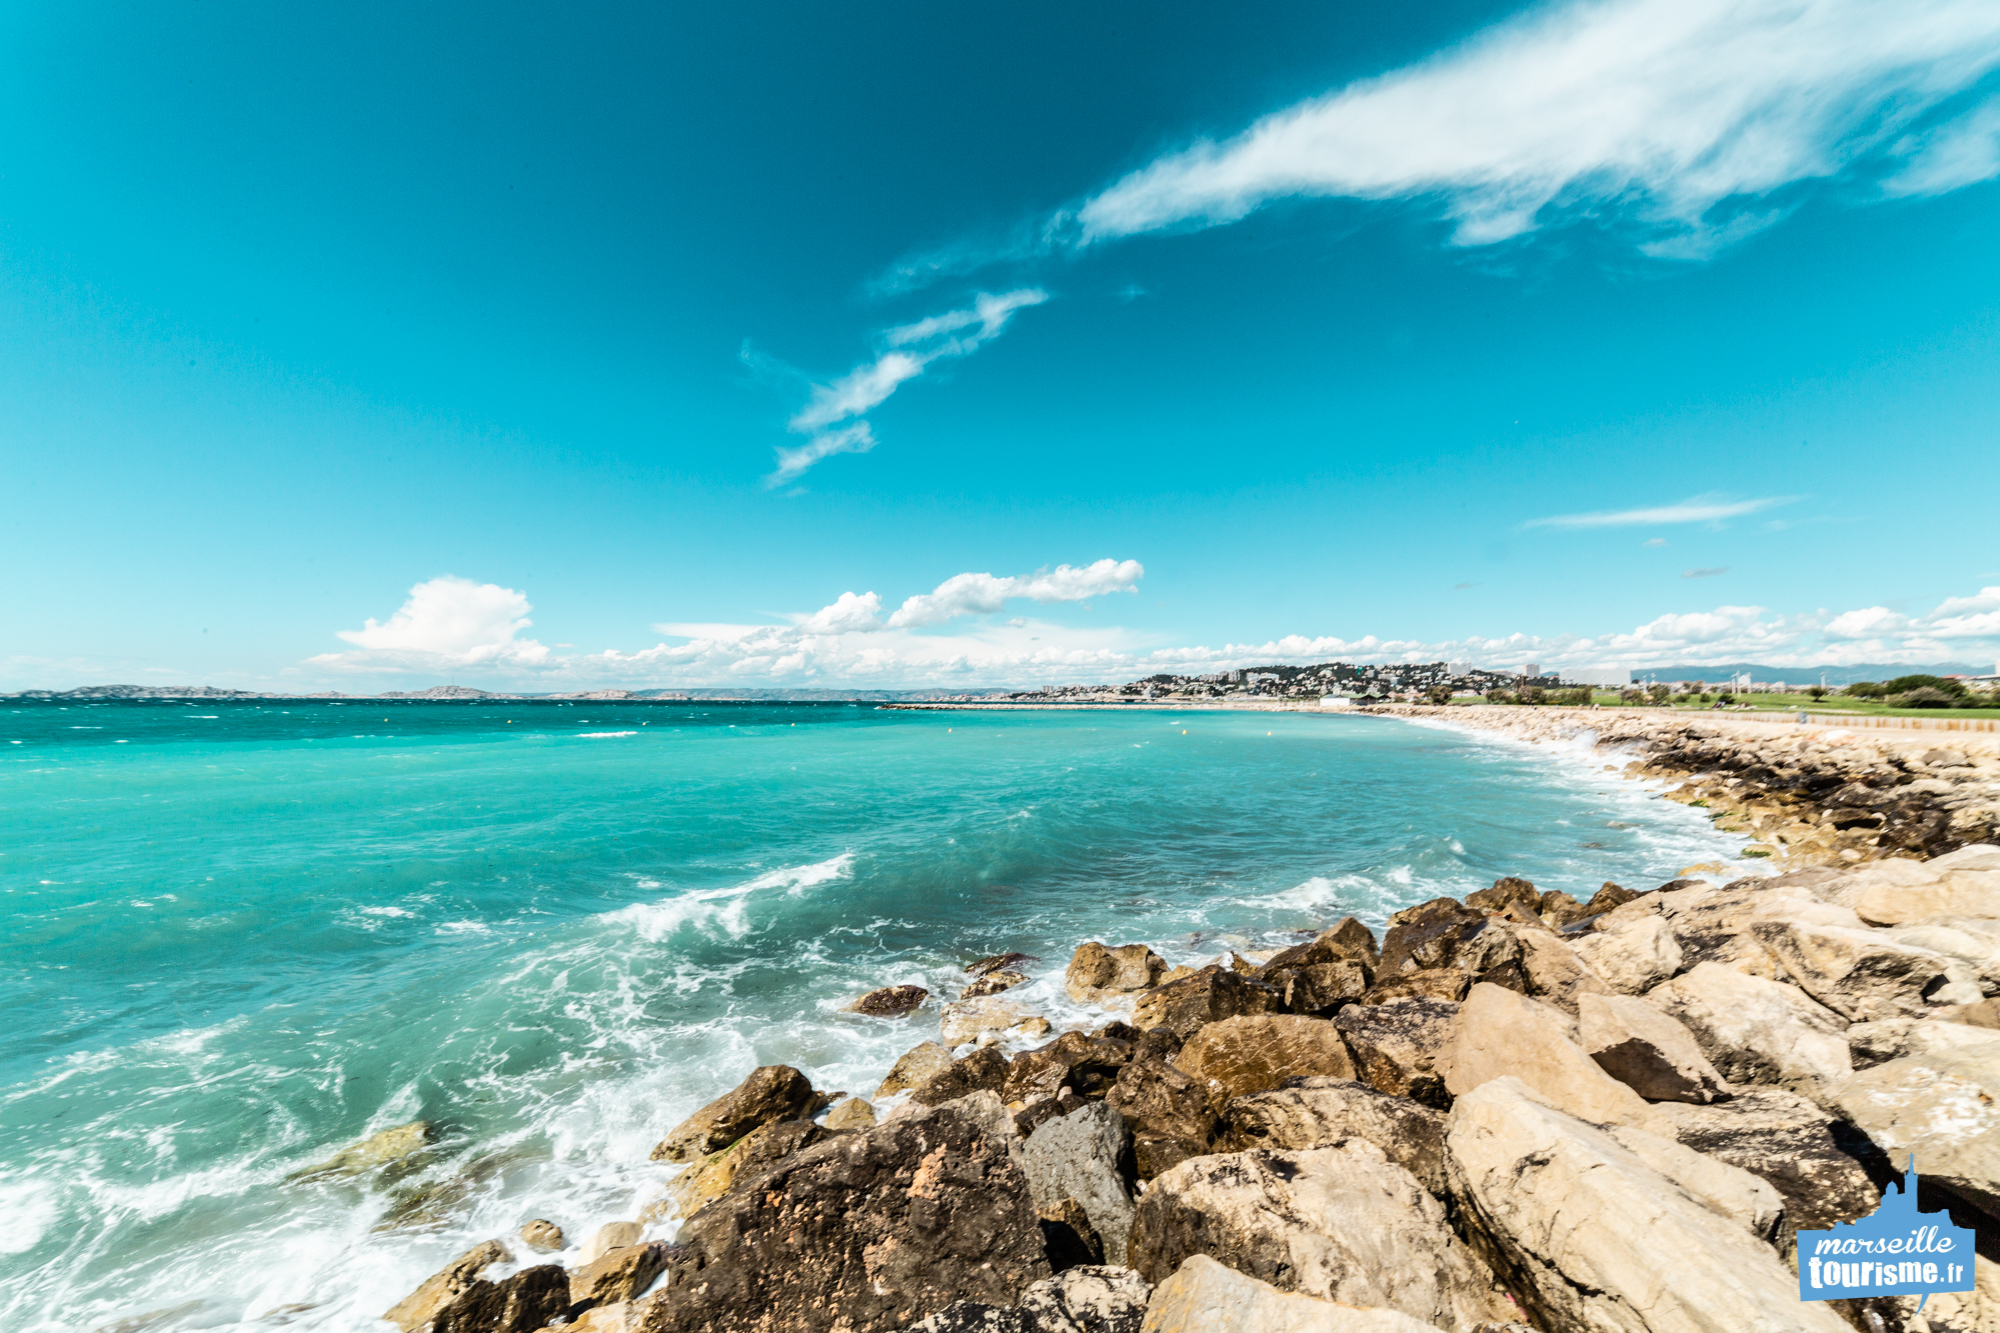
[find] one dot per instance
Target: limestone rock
(1429, 935)
(1649, 1052)
(1086, 1064)
(1091, 1298)
(871, 1230)
(522, 1303)
(1968, 940)
(1555, 972)
(546, 1237)
(1893, 1038)
(1311, 1112)
(1341, 1223)
(716, 1174)
(1076, 1156)
(1558, 909)
(1169, 1114)
(444, 1286)
(621, 1274)
(1209, 996)
(1252, 1054)
(1824, 1170)
(1727, 1191)
(1634, 959)
(772, 1092)
(1397, 1046)
(1972, 893)
(1097, 974)
(993, 983)
(890, 1001)
(1067, 1236)
(1204, 1296)
(850, 1113)
(1346, 941)
(1756, 1031)
(378, 1149)
(996, 962)
(1859, 974)
(1594, 1238)
(1318, 988)
(1506, 891)
(1429, 983)
(965, 1020)
(1985, 1014)
(983, 1070)
(1501, 1034)
(916, 1067)
(609, 1237)
(1943, 1107)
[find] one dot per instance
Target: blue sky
(646, 345)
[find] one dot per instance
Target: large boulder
(1972, 893)
(1649, 1052)
(1089, 1298)
(772, 1092)
(1169, 1113)
(1555, 973)
(875, 1229)
(1862, 974)
(1429, 935)
(914, 1068)
(445, 1286)
(1968, 940)
(1311, 1112)
(1397, 1046)
(1087, 1065)
(382, 1148)
(1347, 940)
(890, 1001)
(1097, 974)
(1945, 1108)
(1076, 1156)
(1428, 983)
(1209, 996)
(1594, 1237)
(622, 1274)
(1502, 1034)
(968, 1020)
(1634, 959)
(985, 1070)
(712, 1177)
(1893, 1038)
(1204, 1296)
(1319, 988)
(1757, 1031)
(522, 1303)
(1243, 1055)
(1340, 1222)
(1824, 1169)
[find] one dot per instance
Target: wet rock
(1554, 972)
(717, 1174)
(1945, 1108)
(1319, 988)
(1209, 996)
(1258, 1052)
(852, 1113)
(1346, 941)
(546, 1237)
(151, 1319)
(1757, 1031)
(773, 1092)
(1067, 1235)
(609, 1237)
(1076, 1156)
(992, 984)
(1429, 935)
(1204, 1296)
(1501, 1034)
(1824, 1170)
(1649, 1052)
(378, 1149)
(1312, 1112)
(620, 1274)
(1436, 983)
(1340, 1223)
(871, 1230)
(1097, 974)
(1397, 1046)
(522, 1303)
(916, 1067)
(966, 1020)
(984, 1070)
(1591, 1236)
(1087, 1065)
(1168, 1112)
(1634, 959)
(996, 963)
(890, 1001)
(444, 1286)
(1860, 974)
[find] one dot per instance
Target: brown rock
(1649, 1052)
(444, 1286)
(1068, 1236)
(1318, 988)
(874, 1230)
(890, 1001)
(1097, 973)
(984, 1070)
(996, 962)
(992, 983)
(715, 1175)
(621, 1275)
(610, 1236)
(1087, 1065)
(1430, 935)
(1554, 973)
(1313, 1112)
(519, 1304)
(917, 1066)
(540, 1235)
(851, 1113)
(1258, 1052)
(1507, 892)
(1557, 909)
(1432, 983)
(1209, 996)
(1168, 1112)
(1347, 940)
(1824, 1170)
(773, 1092)
(1608, 897)
(1397, 1046)
(1502, 1034)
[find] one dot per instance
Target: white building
(1616, 676)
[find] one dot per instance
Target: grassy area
(1832, 703)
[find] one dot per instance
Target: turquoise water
(239, 936)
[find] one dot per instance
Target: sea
(238, 936)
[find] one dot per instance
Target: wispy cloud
(1700, 509)
(1714, 572)
(832, 416)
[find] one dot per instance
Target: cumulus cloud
(444, 622)
(983, 594)
(1699, 509)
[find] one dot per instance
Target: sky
(905, 345)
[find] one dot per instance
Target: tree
(1439, 694)
(1923, 696)
(1660, 692)
(1499, 697)
(1818, 692)
(1532, 694)
(1631, 694)
(1864, 689)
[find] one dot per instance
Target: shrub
(1574, 698)
(1818, 692)
(1864, 689)
(1533, 694)
(1631, 694)
(1438, 694)
(1499, 697)
(1661, 693)
(1923, 696)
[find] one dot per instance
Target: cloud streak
(1700, 509)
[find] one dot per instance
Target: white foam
(387, 911)
(728, 907)
(602, 735)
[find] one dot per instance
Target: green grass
(1793, 703)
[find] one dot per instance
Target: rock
(611, 1236)
(718, 1173)
(965, 1020)
(616, 1317)
(522, 1303)
(1318, 988)
(1592, 1237)
(773, 1092)
(1347, 941)
(1209, 996)
(890, 1001)
(1650, 1053)
(1555, 973)
(1973, 893)
(1729, 1192)
(872, 1230)
(1435, 983)
(1824, 1170)
(1097, 974)
(1340, 1223)
(852, 1113)
(1068, 1237)
(1859, 974)
(1756, 1031)
(1087, 1299)
(1076, 1156)
(1040, 1110)
(1501, 1034)
(992, 984)
(1396, 1046)
(378, 1149)
(983, 1070)
(1985, 1014)
(1169, 1114)
(1980, 856)
(1943, 1107)
(444, 1286)
(1087, 1065)
(1506, 891)
(1634, 959)
(1968, 940)
(997, 962)
(1430, 935)
(546, 1237)
(1204, 1296)
(1261, 1051)
(1558, 909)
(1887, 1039)
(1608, 897)
(1311, 1112)
(621, 1274)
(916, 1067)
